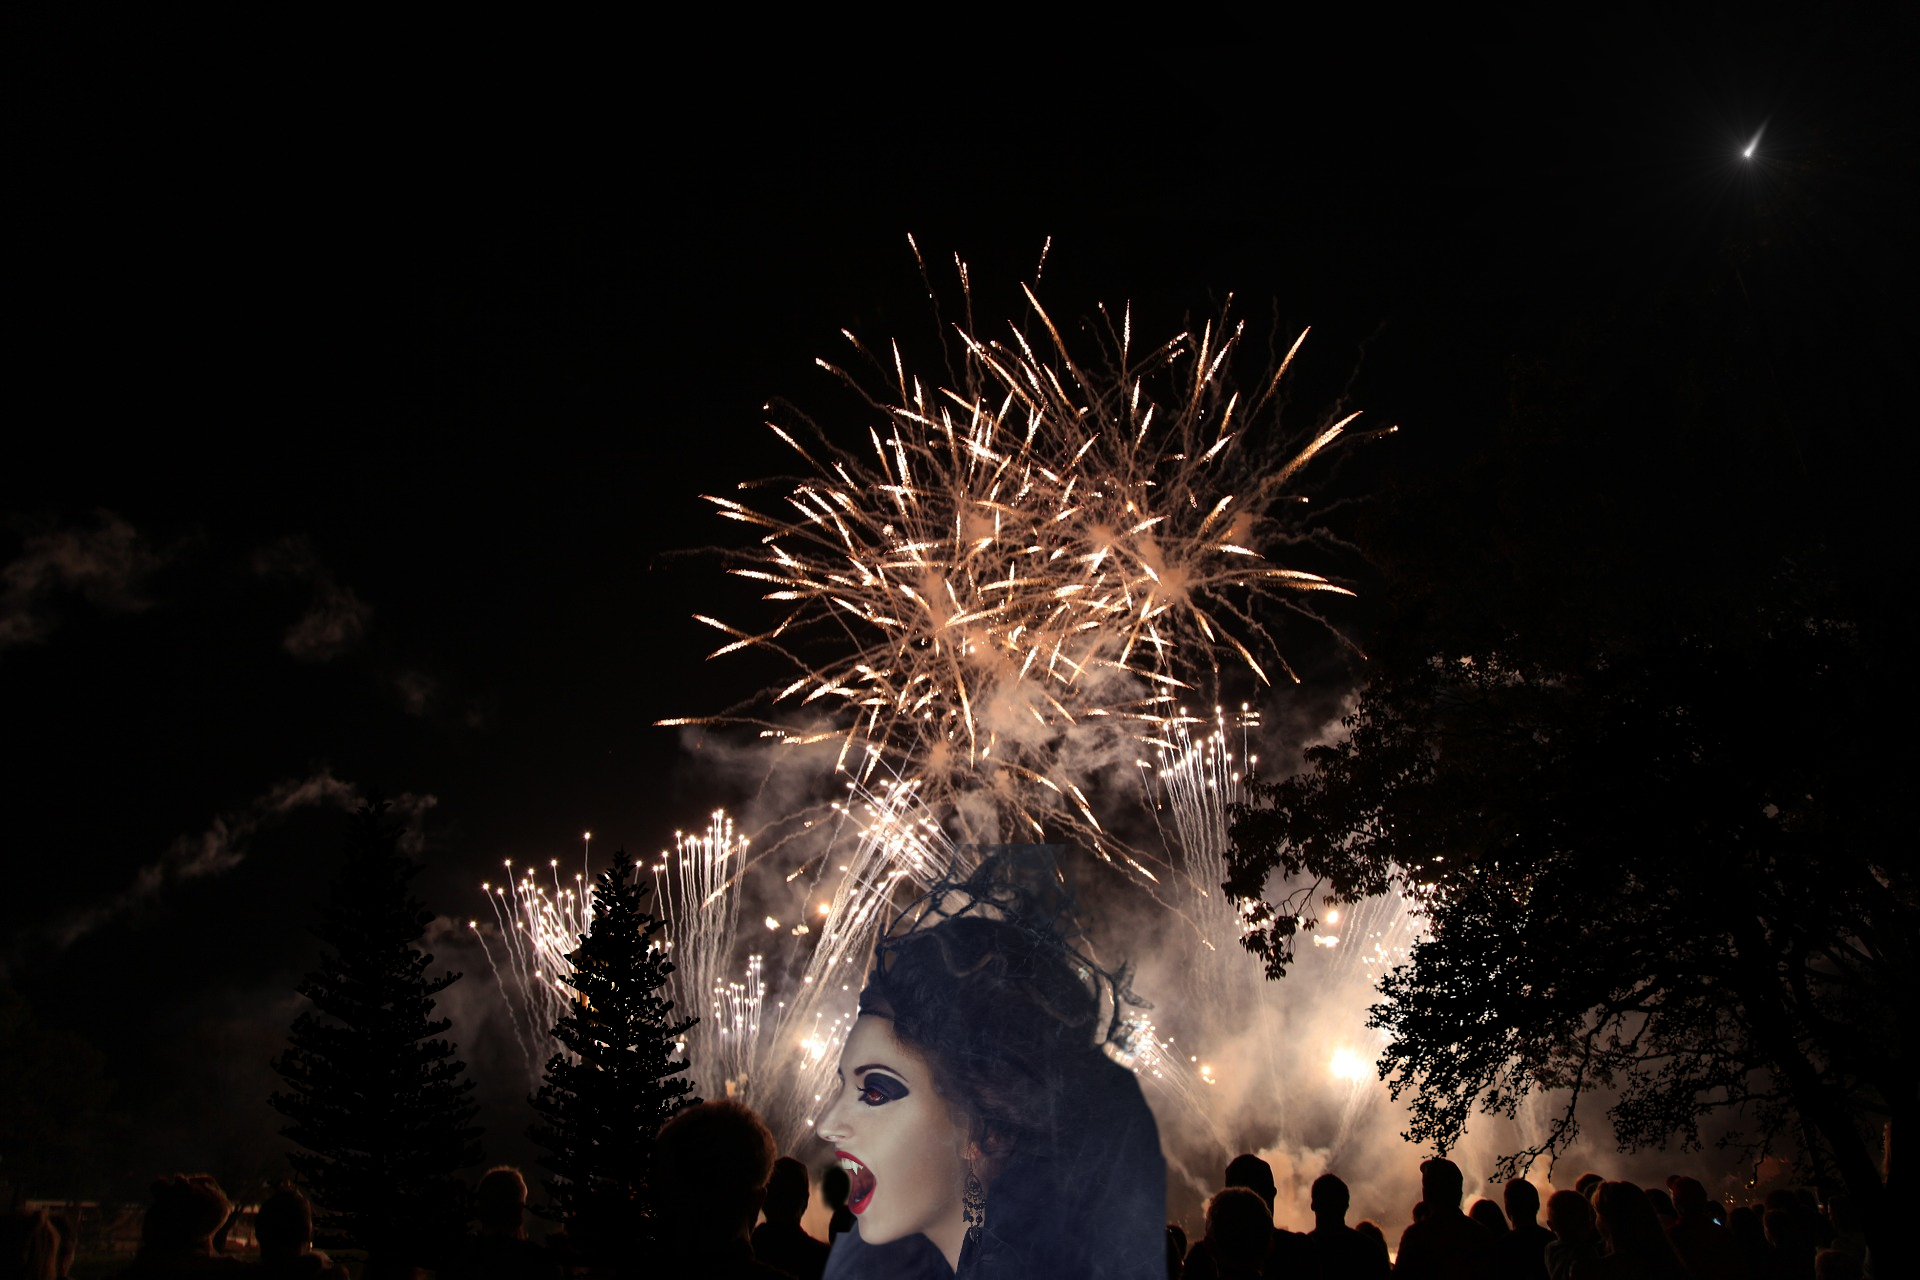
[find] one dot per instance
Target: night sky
(356, 432)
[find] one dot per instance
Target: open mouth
(860, 1193)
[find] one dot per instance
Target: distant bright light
(1349, 1066)
(1748, 153)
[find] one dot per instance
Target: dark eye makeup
(876, 1088)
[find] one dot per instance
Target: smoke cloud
(108, 567)
(226, 841)
(336, 620)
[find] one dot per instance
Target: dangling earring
(973, 1208)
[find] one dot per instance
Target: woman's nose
(832, 1126)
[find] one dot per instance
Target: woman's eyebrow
(876, 1066)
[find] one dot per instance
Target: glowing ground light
(1349, 1066)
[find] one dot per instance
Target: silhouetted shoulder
(503, 1258)
(1447, 1246)
(786, 1247)
(215, 1267)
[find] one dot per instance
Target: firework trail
(1033, 563)
(1195, 782)
(697, 893)
(536, 929)
(896, 850)
(776, 1053)
(1191, 784)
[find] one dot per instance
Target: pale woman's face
(897, 1140)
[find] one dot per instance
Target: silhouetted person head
(1256, 1175)
(284, 1225)
(390, 1268)
(1376, 1239)
(1787, 1232)
(1440, 1185)
(1835, 1264)
(1176, 1250)
(500, 1202)
(1840, 1209)
(1570, 1217)
(835, 1186)
(1239, 1230)
(1627, 1222)
(1662, 1206)
(187, 1209)
(1329, 1199)
(1522, 1199)
(1487, 1214)
(1689, 1199)
(788, 1191)
(712, 1162)
(1588, 1183)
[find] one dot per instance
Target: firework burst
(1033, 565)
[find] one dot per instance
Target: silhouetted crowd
(1600, 1230)
(715, 1178)
(729, 1209)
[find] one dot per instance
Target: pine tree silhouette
(378, 1103)
(604, 1104)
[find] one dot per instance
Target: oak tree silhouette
(606, 1096)
(377, 1101)
(1636, 736)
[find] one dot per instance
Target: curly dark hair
(983, 976)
